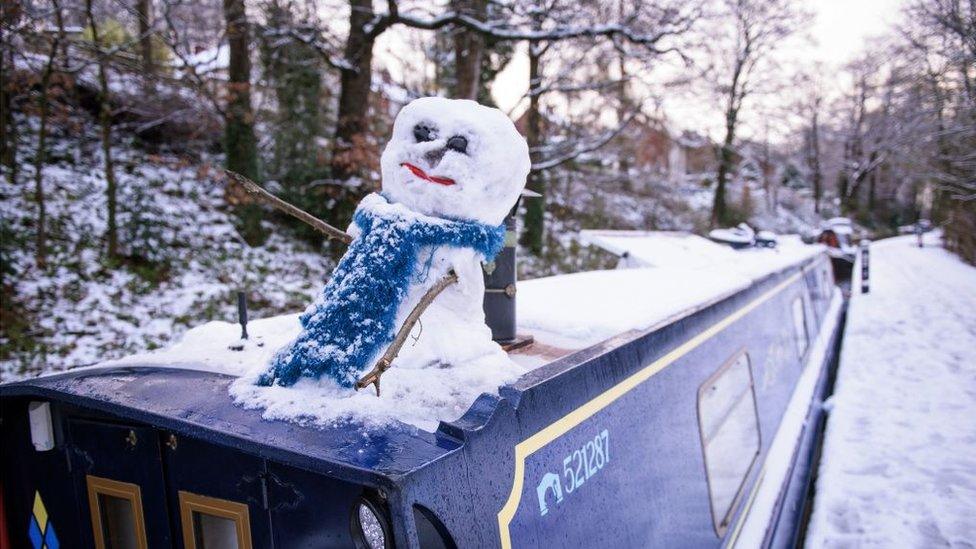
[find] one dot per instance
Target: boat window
(800, 327)
(116, 514)
(729, 427)
(212, 523)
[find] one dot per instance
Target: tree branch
(585, 148)
(256, 191)
(384, 363)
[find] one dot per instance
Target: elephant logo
(550, 481)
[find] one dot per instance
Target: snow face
(455, 158)
(899, 458)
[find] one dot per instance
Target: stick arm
(386, 361)
(256, 191)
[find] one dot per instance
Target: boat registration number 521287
(579, 465)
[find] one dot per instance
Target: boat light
(371, 529)
(41, 427)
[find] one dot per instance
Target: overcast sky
(839, 32)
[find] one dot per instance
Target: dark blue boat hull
(496, 477)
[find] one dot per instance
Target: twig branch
(384, 363)
(585, 147)
(256, 191)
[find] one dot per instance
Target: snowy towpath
(899, 462)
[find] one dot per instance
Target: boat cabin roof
(185, 388)
(197, 403)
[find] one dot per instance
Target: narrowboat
(837, 234)
(672, 405)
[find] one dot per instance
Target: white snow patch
(569, 311)
(419, 390)
(899, 461)
(581, 309)
(659, 248)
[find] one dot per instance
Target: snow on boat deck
(578, 310)
(899, 461)
(563, 313)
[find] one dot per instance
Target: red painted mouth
(446, 181)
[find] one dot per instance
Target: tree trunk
(623, 107)
(720, 212)
(872, 185)
(44, 108)
(105, 121)
(469, 48)
(240, 144)
(239, 129)
(350, 148)
(144, 13)
(534, 233)
(843, 187)
(8, 127)
(815, 154)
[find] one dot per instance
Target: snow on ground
(899, 461)
(185, 260)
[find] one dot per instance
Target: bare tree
(240, 143)
(942, 35)
(758, 25)
(366, 26)
(356, 75)
(44, 108)
(813, 107)
(11, 17)
(144, 14)
(469, 48)
(105, 122)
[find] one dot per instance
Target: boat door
(146, 488)
(217, 497)
(119, 473)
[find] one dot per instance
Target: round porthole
(371, 525)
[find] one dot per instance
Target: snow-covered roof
(578, 310)
(659, 248)
(563, 313)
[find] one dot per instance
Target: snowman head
(455, 158)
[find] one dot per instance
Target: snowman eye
(458, 143)
(423, 133)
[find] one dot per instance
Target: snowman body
(451, 171)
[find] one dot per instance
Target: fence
(960, 231)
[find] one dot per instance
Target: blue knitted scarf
(354, 318)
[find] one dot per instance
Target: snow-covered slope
(184, 260)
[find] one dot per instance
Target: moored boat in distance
(667, 405)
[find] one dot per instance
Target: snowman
(451, 171)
